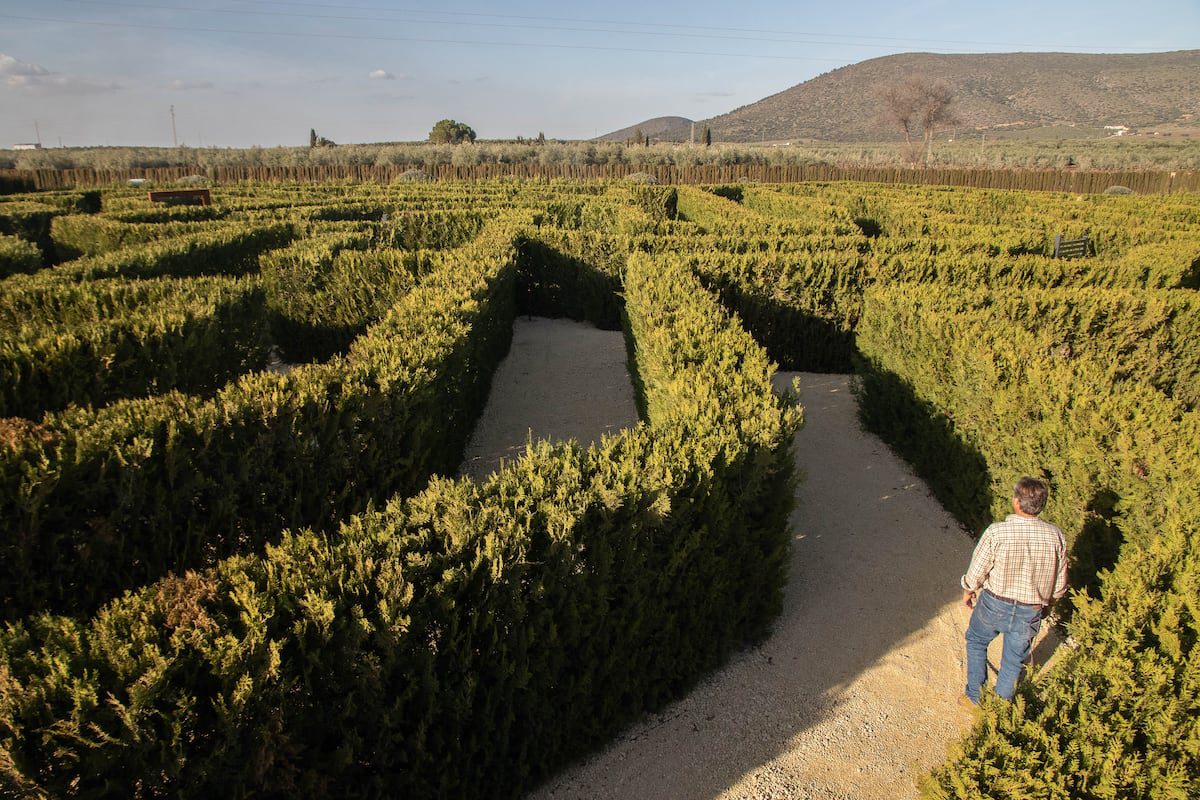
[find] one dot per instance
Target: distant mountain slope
(992, 91)
(651, 127)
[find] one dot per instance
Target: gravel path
(561, 380)
(853, 695)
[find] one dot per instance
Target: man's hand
(968, 598)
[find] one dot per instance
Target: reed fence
(1078, 181)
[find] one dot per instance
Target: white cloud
(12, 67)
(381, 75)
(34, 77)
(183, 86)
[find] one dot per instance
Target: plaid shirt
(1022, 559)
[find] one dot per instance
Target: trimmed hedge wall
(86, 495)
(62, 304)
(76, 235)
(976, 399)
(464, 642)
(195, 343)
(801, 306)
(470, 639)
(29, 221)
(18, 255)
(225, 251)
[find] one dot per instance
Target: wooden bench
(1071, 248)
(182, 197)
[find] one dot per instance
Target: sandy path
(853, 696)
(561, 380)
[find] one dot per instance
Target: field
(221, 576)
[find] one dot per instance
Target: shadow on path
(854, 694)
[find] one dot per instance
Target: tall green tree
(448, 131)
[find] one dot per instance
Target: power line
(852, 40)
(461, 23)
(413, 39)
(854, 36)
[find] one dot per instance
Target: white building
(28, 146)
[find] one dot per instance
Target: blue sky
(252, 72)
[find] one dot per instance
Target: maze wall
(230, 560)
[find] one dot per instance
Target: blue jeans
(991, 617)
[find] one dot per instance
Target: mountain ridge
(992, 91)
(651, 127)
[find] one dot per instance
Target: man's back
(1023, 559)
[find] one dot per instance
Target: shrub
(643, 178)
(18, 255)
(463, 642)
(412, 176)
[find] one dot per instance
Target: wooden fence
(1039, 180)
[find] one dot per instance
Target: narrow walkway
(561, 380)
(853, 696)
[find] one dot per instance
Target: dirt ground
(854, 694)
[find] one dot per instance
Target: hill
(992, 91)
(651, 127)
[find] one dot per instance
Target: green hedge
(326, 289)
(194, 343)
(801, 306)
(18, 255)
(817, 215)
(1147, 336)
(1008, 390)
(78, 235)
(983, 264)
(63, 305)
(976, 399)
(295, 277)
(69, 201)
(160, 214)
(464, 642)
(229, 250)
(29, 221)
(96, 501)
(573, 274)
(1118, 716)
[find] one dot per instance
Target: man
(1018, 570)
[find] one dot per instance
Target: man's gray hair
(1031, 494)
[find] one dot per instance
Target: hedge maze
(219, 577)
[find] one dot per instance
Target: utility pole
(174, 138)
(693, 132)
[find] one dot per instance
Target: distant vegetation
(449, 131)
(974, 151)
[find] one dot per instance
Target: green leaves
(466, 639)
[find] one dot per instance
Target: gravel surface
(560, 380)
(854, 694)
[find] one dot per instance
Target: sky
(262, 72)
